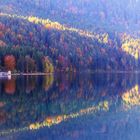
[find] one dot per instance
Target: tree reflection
(68, 97)
(2, 117)
(48, 81)
(10, 86)
(132, 97)
(30, 83)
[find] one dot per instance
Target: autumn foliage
(36, 47)
(10, 86)
(9, 62)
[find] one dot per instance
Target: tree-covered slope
(85, 14)
(35, 44)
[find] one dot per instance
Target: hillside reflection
(33, 102)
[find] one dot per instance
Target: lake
(70, 106)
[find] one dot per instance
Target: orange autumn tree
(9, 62)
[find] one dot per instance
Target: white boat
(5, 74)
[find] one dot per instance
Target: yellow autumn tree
(48, 66)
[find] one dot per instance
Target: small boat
(5, 75)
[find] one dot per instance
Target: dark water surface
(73, 107)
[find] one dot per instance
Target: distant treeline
(86, 14)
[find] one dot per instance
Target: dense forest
(71, 39)
(85, 14)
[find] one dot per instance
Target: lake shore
(92, 72)
(34, 74)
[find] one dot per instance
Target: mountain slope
(67, 49)
(85, 14)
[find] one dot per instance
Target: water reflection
(10, 86)
(79, 106)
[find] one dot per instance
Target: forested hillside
(29, 43)
(85, 14)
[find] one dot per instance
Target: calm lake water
(73, 107)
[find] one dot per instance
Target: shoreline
(90, 72)
(32, 74)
